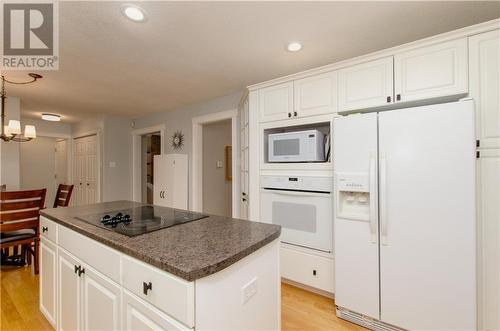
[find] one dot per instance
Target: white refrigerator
(404, 237)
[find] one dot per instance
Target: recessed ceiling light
(294, 46)
(135, 13)
(51, 117)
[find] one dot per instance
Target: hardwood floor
(300, 309)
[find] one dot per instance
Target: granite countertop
(191, 251)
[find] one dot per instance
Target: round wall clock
(177, 140)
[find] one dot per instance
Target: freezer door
(356, 221)
(427, 217)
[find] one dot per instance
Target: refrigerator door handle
(383, 200)
(373, 199)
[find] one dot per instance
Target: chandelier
(12, 132)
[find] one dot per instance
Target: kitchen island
(215, 273)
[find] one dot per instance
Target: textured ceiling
(188, 52)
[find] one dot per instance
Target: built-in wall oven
(303, 206)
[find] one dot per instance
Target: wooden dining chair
(20, 221)
(63, 195)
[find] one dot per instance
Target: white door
(70, 294)
(489, 238)
(427, 217)
(61, 162)
(78, 171)
(91, 170)
(141, 316)
(48, 280)
(432, 71)
(316, 95)
(179, 193)
(276, 102)
(366, 85)
(355, 242)
(244, 150)
(101, 302)
(484, 56)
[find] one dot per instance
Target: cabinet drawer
(100, 257)
(139, 315)
(308, 269)
(169, 293)
(48, 229)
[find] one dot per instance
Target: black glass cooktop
(139, 220)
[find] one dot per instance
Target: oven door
(306, 218)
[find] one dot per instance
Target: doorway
(215, 164)
(150, 146)
(50, 168)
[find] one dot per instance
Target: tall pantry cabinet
(484, 66)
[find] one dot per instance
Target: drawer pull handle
(77, 269)
(81, 271)
(45, 229)
(146, 287)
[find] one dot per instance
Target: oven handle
(298, 193)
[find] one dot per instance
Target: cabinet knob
(77, 269)
(388, 99)
(243, 199)
(81, 271)
(398, 97)
(45, 229)
(146, 287)
(294, 113)
(289, 114)
(314, 272)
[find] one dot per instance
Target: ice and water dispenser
(353, 196)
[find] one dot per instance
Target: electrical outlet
(249, 290)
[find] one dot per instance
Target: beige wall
(9, 151)
(38, 164)
(217, 191)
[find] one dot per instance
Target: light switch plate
(112, 164)
(219, 164)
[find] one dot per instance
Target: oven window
(286, 147)
(295, 216)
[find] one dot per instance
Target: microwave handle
(298, 193)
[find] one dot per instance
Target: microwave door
(285, 149)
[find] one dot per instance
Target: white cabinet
(484, 56)
(276, 102)
(101, 302)
(484, 73)
(366, 85)
(87, 299)
(243, 113)
(315, 95)
(48, 280)
(432, 71)
(70, 292)
(171, 181)
(489, 238)
(139, 315)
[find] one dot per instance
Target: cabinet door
(101, 302)
(48, 281)
(139, 315)
(484, 55)
(163, 181)
(178, 194)
(489, 238)
(316, 95)
(70, 296)
(276, 102)
(366, 85)
(430, 72)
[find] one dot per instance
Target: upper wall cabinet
(276, 102)
(484, 54)
(315, 95)
(432, 71)
(366, 85)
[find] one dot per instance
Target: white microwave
(298, 146)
